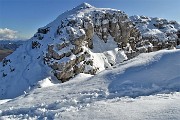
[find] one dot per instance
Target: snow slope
(101, 96)
(28, 70)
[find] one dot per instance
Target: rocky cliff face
(84, 40)
(72, 53)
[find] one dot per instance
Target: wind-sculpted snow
(161, 75)
(148, 74)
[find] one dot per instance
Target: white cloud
(7, 34)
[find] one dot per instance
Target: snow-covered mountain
(107, 56)
(83, 40)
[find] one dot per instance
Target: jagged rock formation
(84, 40)
(72, 54)
(161, 33)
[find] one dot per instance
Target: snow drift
(148, 74)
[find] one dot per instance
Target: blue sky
(24, 17)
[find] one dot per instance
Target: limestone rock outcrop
(74, 43)
(89, 40)
(71, 55)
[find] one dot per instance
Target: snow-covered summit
(79, 33)
(84, 6)
(83, 40)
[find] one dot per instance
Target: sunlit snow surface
(145, 87)
(144, 79)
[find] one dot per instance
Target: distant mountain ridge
(10, 44)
